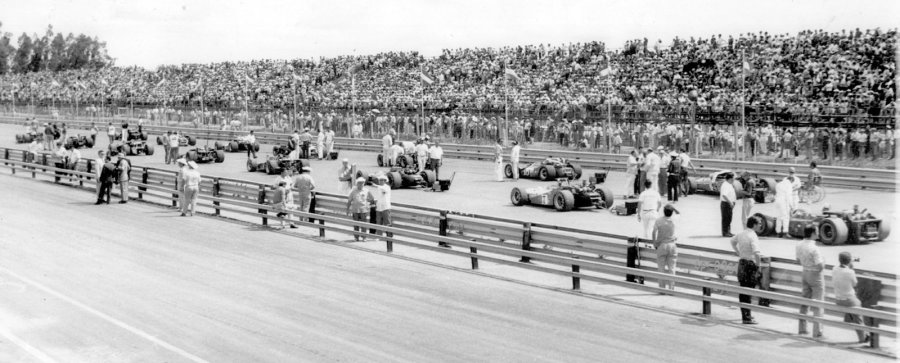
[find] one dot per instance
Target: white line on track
(25, 346)
(103, 316)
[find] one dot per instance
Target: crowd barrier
(703, 274)
(833, 176)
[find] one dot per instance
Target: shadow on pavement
(767, 336)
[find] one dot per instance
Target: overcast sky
(150, 33)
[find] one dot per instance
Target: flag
(511, 74)
(608, 71)
(80, 85)
(247, 77)
(425, 78)
(296, 77)
(746, 66)
(161, 82)
(33, 84)
(104, 82)
(54, 83)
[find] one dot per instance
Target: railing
(703, 274)
(834, 176)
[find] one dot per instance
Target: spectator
(123, 175)
(435, 158)
(649, 203)
(664, 239)
(727, 199)
(844, 279)
(107, 176)
(191, 182)
(358, 202)
(383, 204)
(305, 185)
(174, 143)
(345, 177)
(631, 169)
(813, 281)
(514, 159)
(746, 245)
(498, 161)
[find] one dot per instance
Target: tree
(22, 59)
(6, 51)
(37, 55)
(58, 54)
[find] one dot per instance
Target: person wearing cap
(673, 177)
(746, 245)
(727, 200)
(305, 140)
(435, 156)
(649, 202)
(664, 161)
(813, 277)
(664, 243)
(191, 182)
(421, 154)
(844, 280)
(345, 176)
(386, 142)
(382, 197)
(305, 185)
(358, 205)
(123, 174)
(796, 184)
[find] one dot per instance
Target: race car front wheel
(517, 197)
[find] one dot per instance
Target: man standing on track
(345, 177)
(435, 156)
(305, 186)
(383, 204)
(107, 175)
(649, 203)
(320, 143)
(664, 241)
(173, 145)
(386, 142)
(662, 176)
(98, 169)
(813, 283)
(191, 189)
(111, 132)
(673, 176)
(329, 142)
(123, 173)
(746, 245)
(251, 140)
(498, 161)
(747, 182)
(421, 154)
(783, 205)
(651, 168)
(305, 140)
(168, 147)
(514, 159)
(358, 202)
(727, 199)
(631, 169)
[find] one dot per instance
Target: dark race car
(278, 161)
(204, 154)
(26, 138)
(406, 158)
(564, 196)
(398, 177)
(237, 145)
(183, 140)
(80, 142)
(135, 145)
(548, 169)
(834, 227)
(763, 191)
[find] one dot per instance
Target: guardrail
(834, 176)
(703, 274)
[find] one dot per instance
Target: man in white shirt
(435, 156)
(514, 159)
(783, 205)
(649, 203)
(813, 281)
(651, 167)
(320, 143)
(421, 154)
(251, 140)
(386, 142)
(173, 146)
(98, 167)
(746, 245)
(844, 279)
(329, 142)
(796, 184)
(630, 173)
(498, 161)
(382, 195)
(727, 199)
(664, 160)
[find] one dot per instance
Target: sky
(152, 33)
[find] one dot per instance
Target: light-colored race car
(564, 196)
(763, 191)
(548, 169)
(835, 227)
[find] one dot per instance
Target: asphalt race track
(136, 282)
(474, 191)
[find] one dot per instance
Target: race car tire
(220, 156)
(218, 146)
(250, 165)
(833, 231)
(380, 160)
(544, 173)
(608, 197)
(690, 186)
(19, 139)
(517, 197)
(429, 177)
(508, 171)
(234, 146)
(395, 180)
(404, 160)
(270, 167)
(192, 155)
(159, 140)
(191, 140)
(256, 147)
(563, 200)
(304, 163)
(143, 136)
(88, 143)
(577, 171)
(765, 225)
(148, 149)
(884, 229)
(126, 149)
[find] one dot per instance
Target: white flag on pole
(425, 78)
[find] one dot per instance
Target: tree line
(51, 52)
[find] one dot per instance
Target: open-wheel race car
(834, 227)
(236, 145)
(564, 196)
(763, 191)
(135, 145)
(548, 169)
(183, 140)
(204, 154)
(28, 137)
(80, 142)
(397, 177)
(406, 158)
(278, 161)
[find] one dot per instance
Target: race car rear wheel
(833, 231)
(517, 197)
(191, 140)
(508, 171)
(88, 143)
(218, 146)
(159, 140)
(256, 147)
(143, 136)
(220, 156)
(395, 180)
(607, 195)
(563, 200)
(269, 168)
(234, 146)
(688, 186)
(577, 169)
(148, 149)
(767, 183)
(429, 177)
(250, 165)
(19, 139)
(126, 149)
(765, 225)
(543, 173)
(884, 229)
(192, 155)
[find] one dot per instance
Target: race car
(135, 145)
(80, 142)
(278, 161)
(204, 154)
(763, 191)
(28, 137)
(834, 227)
(236, 145)
(398, 177)
(547, 169)
(564, 196)
(183, 140)
(406, 157)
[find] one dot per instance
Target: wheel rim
(508, 171)
(558, 201)
(827, 232)
(517, 196)
(544, 174)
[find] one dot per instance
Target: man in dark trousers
(727, 198)
(107, 176)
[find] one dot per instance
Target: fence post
(576, 281)
(144, 177)
(262, 200)
(474, 259)
(526, 241)
(6, 157)
(175, 196)
(215, 191)
(322, 228)
(443, 226)
(707, 305)
(28, 157)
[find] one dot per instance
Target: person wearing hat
(663, 178)
(664, 242)
(673, 177)
(727, 200)
(386, 142)
(421, 154)
(844, 280)
(382, 197)
(123, 173)
(359, 201)
(305, 140)
(191, 182)
(345, 176)
(305, 185)
(746, 245)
